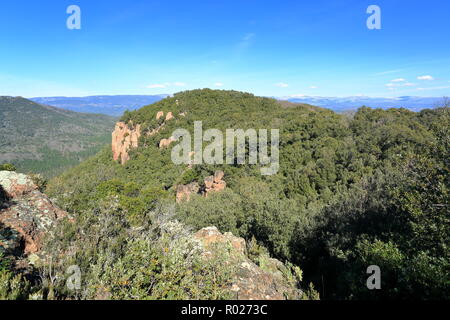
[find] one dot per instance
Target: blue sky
(270, 48)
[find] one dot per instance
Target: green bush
(7, 167)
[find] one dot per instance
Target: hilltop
(47, 140)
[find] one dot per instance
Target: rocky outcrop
(126, 137)
(165, 143)
(249, 281)
(159, 115)
(26, 214)
(123, 139)
(169, 116)
(184, 191)
(211, 184)
(214, 183)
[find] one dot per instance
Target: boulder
(249, 281)
(214, 183)
(218, 176)
(159, 115)
(184, 191)
(15, 184)
(165, 143)
(169, 116)
(212, 235)
(210, 184)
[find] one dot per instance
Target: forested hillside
(47, 140)
(371, 189)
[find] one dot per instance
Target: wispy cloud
(398, 80)
(218, 84)
(313, 87)
(388, 72)
(245, 42)
(281, 85)
(165, 85)
(399, 84)
(433, 88)
(427, 78)
(156, 85)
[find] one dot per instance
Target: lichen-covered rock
(212, 235)
(250, 281)
(124, 139)
(15, 185)
(26, 215)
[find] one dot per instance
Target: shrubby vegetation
(351, 192)
(157, 260)
(7, 167)
(12, 286)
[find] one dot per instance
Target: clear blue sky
(270, 48)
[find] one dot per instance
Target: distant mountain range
(109, 105)
(42, 139)
(116, 105)
(351, 103)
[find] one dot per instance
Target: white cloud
(398, 80)
(399, 84)
(218, 84)
(165, 85)
(313, 87)
(428, 78)
(281, 85)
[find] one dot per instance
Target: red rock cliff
(124, 139)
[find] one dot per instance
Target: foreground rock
(250, 281)
(26, 214)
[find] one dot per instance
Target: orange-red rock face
(124, 139)
(215, 183)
